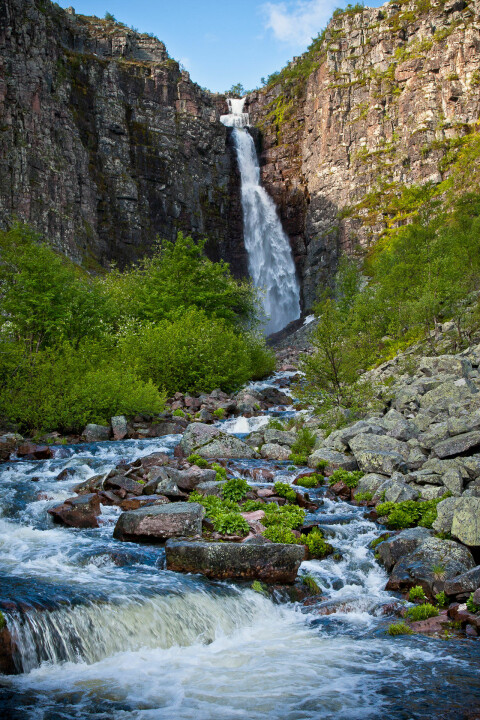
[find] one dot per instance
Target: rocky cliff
(105, 142)
(370, 123)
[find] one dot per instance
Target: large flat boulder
(274, 451)
(272, 563)
(160, 522)
(96, 433)
(458, 444)
(280, 437)
(404, 543)
(378, 443)
(451, 391)
(334, 459)
(382, 462)
(466, 521)
(464, 584)
(78, 512)
(196, 435)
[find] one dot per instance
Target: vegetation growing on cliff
(76, 349)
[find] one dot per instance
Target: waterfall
(270, 259)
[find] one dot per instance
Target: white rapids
(270, 259)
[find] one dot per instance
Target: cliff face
(105, 142)
(385, 100)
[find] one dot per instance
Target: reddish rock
(159, 522)
(341, 490)
(37, 452)
(265, 493)
(7, 649)
(120, 482)
(78, 512)
(133, 503)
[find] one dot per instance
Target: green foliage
(472, 605)
(178, 413)
(311, 481)
(252, 505)
(280, 534)
(399, 628)
(236, 91)
(322, 465)
(409, 513)
(196, 459)
(442, 599)
(259, 587)
(219, 413)
(298, 458)
(315, 542)
(422, 612)
(350, 478)
(235, 489)
(275, 424)
(230, 523)
(289, 516)
(109, 17)
(286, 491)
(3, 622)
(416, 594)
(221, 472)
(311, 583)
(363, 496)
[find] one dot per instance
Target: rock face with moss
(106, 142)
(369, 124)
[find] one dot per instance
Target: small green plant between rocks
(350, 478)
(235, 489)
(286, 491)
(472, 605)
(422, 612)
(416, 594)
(399, 628)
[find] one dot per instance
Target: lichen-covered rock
(370, 483)
(399, 492)
(271, 563)
(273, 451)
(96, 433)
(335, 460)
(390, 551)
(458, 445)
(377, 461)
(381, 443)
(466, 521)
(210, 442)
(160, 522)
(119, 427)
(432, 563)
(280, 437)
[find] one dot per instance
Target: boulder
(370, 483)
(453, 481)
(361, 427)
(7, 650)
(119, 427)
(452, 391)
(433, 563)
(34, 452)
(158, 523)
(458, 444)
(210, 442)
(444, 519)
(466, 521)
(399, 491)
(381, 443)
(8, 444)
(465, 583)
(273, 451)
(127, 484)
(377, 461)
(211, 488)
(78, 512)
(271, 563)
(335, 460)
(396, 547)
(280, 437)
(96, 433)
(189, 479)
(445, 365)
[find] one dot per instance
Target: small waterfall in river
(270, 258)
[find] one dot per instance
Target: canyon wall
(105, 142)
(384, 100)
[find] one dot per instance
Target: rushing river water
(105, 632)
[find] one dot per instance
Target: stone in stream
(96, 433)
(119, 427)
(274, 451)
(433, 563)
(464, 584)
(7, 650)
(210, 442)
(189, 479)
(272, 562)
(394, 548)
(29, 450)
(78, 512)
(158, 523)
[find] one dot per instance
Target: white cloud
(299, 21)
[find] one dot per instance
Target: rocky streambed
(121, 598)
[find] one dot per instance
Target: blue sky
(222, 43)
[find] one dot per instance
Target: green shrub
(422, 612)
(399, 628)
(351, 479)
(289, 516)
(315, 542)
(230, 523)
(409, 513)
(472, 606)
(311, 583)
(304, 443)
(310, 481)
(286, 491)
(378, 540)
(416, 594)
(442, 599)
(219, 413)
(298, 458)
(279, 534)
(221, 472)
(252, 505)
(259, 587)
(322, 465)
(196, 459)
(275, 424)
(235, 489)
(363, 496)
(178, 413)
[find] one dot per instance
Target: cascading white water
(270, 258)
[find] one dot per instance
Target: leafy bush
(416, 594)
(298, 458)
(350, 479)
(310, 481)
(259, 587)
(363, 496)
(231, 523)
(315, 542)
(442, 599)
(286, 491)
(275, 424)
(409, 513)
(304, 443)
(472, 605)
(399, 628)
(422, 612)
(178, 413)
(279, 534)
(311, 583)
(235, 489)
(252, 505)
(219, 413)
(221, 472)
(289, 516)
(196, 459)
